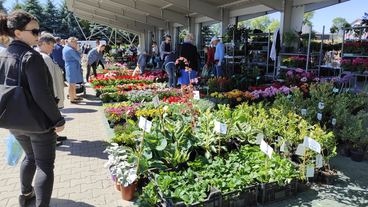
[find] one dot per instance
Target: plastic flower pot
(127, 193)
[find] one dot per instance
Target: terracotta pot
(127, 193)
(117, 186)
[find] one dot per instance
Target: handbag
(18, 110)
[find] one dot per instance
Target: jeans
(218, 71)
(94, 67)
(40, 155)
(170, 70)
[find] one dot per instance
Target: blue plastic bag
(13, 150)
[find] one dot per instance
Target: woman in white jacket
(46, 45)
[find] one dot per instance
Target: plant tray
(214, 200)
(245, 198)
(272, 192)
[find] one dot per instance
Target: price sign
(196, 95)
(333, 121)
(300, 150)
(310, 171)
(260, 138)
(267, 149)
(156, 101)
(319, 161)
(220, 127)
(145, 124)
(312, 144)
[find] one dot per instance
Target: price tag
(319, 161)
(333, 121)
(321, 105)
(196, 95)
(310, 171)
(300, 150)
(156, 101)
(260, 138)
(312, 144)
(279, 138)
(220, 127)
(319, 116)
(335, 90)
(304, 112)
(267, 149)
(145, 124)
(283, 147)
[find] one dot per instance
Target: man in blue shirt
(219, 56)
(94, 57)
(57, 55)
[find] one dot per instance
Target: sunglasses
(35, 32)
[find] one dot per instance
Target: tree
(34, 7)
(2, 8)
(274, 25)
(261, 23)
(51, 21)
(307, 20)
(339, 23)
(16, 6)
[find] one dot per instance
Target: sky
(351, 10)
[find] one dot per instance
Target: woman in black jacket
(36, 80)
(189, 52)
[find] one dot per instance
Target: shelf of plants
(262, 147)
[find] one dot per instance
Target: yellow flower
(239, 99)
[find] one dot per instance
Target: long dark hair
(17, 20)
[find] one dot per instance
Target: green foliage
(51, 21)
(34, 7)
(307, 20)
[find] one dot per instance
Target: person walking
(170, 70)
(21, 59)
(73, 68)
(94, 57)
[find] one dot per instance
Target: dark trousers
(94, 67)
(40, 155)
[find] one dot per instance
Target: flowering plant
(295, 62)
(296, 77)
(182, 62)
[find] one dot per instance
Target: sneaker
(59, 143)
(24, 199)
(61, 138)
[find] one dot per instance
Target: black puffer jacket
(35, 78)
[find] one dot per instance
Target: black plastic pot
(347, 151)
(357, 156)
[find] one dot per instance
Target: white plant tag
(156, 101)
(304, 112)
(283, 147)
(319, 116)
(321, 105)
(196, 95)
(312, 144)
(220, 127)
(279, 138)
(333, 121)
(335, 90)
(310, 171)
(145, 124)
(260, 138)
(300, 150)
(319, 161)
(267, 149)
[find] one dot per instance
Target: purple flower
(299, 70)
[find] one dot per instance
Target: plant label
(304, 112)
(319, 116)
(300, 150)
(196, 95)
(267, 149)
(220, 127)
(321, 105)
(310, 171)
(156, 101)
(333, 121)
(283, 147)
(312, 144)
(279, 138)
(335, 90)
(319, 161)
(260, 138)
(145, 124)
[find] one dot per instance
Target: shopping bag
(13, 150)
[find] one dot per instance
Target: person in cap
(219, 56)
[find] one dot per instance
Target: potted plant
(122, 164)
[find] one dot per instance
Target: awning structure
(139, 15)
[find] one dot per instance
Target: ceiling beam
(316, 6)
(274, 4)
(198, 6)
(141, 6)
(123, 12)
(250, 10)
